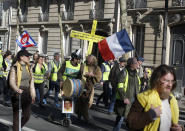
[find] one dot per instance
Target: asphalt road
(49, 118)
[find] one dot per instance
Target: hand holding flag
(115, 45)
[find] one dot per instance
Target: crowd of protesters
(141, 99)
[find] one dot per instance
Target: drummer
(70, 69)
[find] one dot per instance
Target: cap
(130, 61)
(76, 54)
(24, 53)
(121, 59)
(140, 59)
(41, 55)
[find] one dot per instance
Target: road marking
(10, 123)
(77, 127)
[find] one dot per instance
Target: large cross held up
(89, 37)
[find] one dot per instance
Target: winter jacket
(142, 117)
(15, 78)
(132, 90)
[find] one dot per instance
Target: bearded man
(91, 75)
(156, 109)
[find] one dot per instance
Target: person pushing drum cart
(70, 75)
(72, 89)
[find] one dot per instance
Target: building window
(68, 10)
(24, 11)
(97, 9)
(139, 33)
(132, 4)
(43, 42)
(1, 13)
(44, 15)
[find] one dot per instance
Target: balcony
(178, 3)
(135, 4)
(67, 15)
(96, 14)
(22, 18)
(43, 17)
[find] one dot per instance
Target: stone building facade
(145, 23)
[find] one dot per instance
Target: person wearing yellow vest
(39, 71)
(53, 68)
(128, 88)
(46, 62)
(1, 72)
(156, 109)
(71, 69)
(22, 83)
(106, 95)
(7, 62)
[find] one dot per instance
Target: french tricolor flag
(115, 45)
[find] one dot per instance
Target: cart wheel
(66, 122)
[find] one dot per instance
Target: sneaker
(44, 101)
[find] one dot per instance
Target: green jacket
(132, 90)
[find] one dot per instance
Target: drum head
(67, 87)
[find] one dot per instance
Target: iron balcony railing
(44, 17)
(96, 14)
(22, 18)
(133, 4)
(179, 3)
(67, 15)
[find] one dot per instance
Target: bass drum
(73, 87)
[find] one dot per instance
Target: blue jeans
(119, 121)
(113, 100)
(53, 85)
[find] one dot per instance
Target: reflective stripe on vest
(6, 72)
(125, 84)
(71, 71)
(1, 66)
(38, 75)
(46, 66)
(54, 71)
(106, 72)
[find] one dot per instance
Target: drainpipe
(165, 33)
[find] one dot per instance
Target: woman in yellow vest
(7, 62)
(39, 71)
(156, 109)
(22, 83)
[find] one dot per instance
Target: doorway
(177, 56)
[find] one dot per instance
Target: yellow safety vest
(125, 84)
(106, 72)
(54, 70)
(71, 71)
(151, 97)
(39, 74)
(6, 72)
(46, 66)
(1, 66)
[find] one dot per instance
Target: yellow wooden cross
(89, 37)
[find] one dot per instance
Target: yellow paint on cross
(89, 37)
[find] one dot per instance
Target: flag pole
(18, 10)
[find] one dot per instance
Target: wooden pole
(165, 32)
(17, 35)
(123, 6)
(61, 31)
